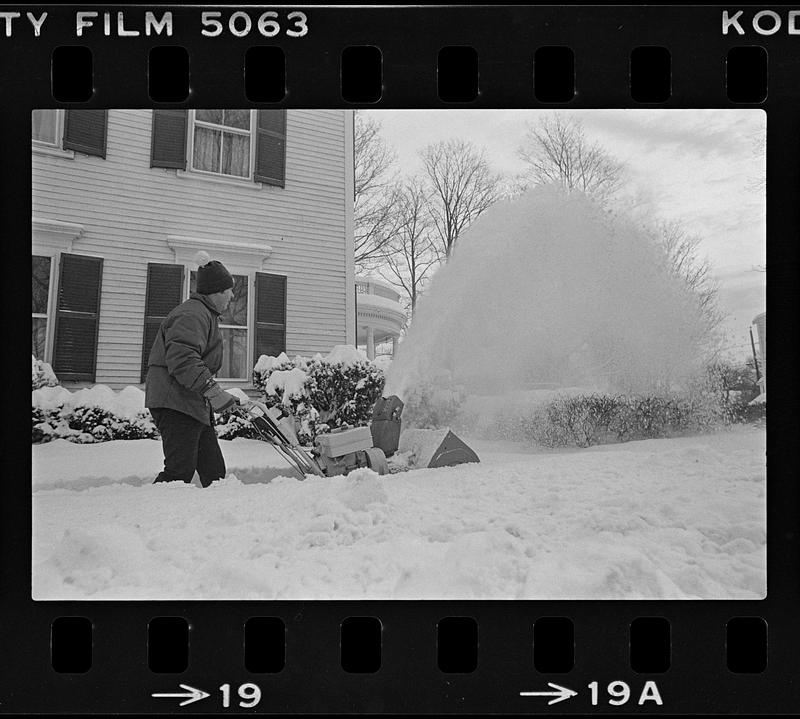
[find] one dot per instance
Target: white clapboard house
(123, 200)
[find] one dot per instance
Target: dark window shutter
(271, 147)
(164, 292)
(77, 317)
(270, 315)
(85, 131)
(168, 143)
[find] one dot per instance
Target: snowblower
(336, 452)
(340, 451)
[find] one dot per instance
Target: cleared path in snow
(679, 518)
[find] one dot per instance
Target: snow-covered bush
(733, 387)
(231, 426)
(322, 393)
(42, 374)
(95, 414)
(584, 420)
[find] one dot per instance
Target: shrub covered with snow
(231, 426)
(734, 387)
(584, 420)
(94, 414)
(322, 393)
(43, 375)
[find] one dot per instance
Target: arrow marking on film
(560, 694)
(191, 695)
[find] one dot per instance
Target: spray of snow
(549, 290)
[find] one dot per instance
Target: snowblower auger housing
(432, 448)
(334, 453)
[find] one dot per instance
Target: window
(47, 127)
(77, 314)
(70, 131)
(233, 327)
(221, 142)
(41, 295)
(240, 144)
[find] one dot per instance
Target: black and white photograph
(312, 354)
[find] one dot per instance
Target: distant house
(123, 200)
(380, 314)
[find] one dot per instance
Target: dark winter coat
(187, 352)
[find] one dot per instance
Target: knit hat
(213, 277)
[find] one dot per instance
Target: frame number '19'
(249, 695)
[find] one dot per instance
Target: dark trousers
(189, 445)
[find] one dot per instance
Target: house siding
(128, 209)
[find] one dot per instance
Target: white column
(349, 241)
(371, 343)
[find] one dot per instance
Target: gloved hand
(221, 401)
(253, 404)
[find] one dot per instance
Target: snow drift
(658, 519)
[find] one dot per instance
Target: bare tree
(462, 187)
(681, 254)
(557, 151)
(410, 256)
(373, 216)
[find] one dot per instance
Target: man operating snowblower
(181, 392)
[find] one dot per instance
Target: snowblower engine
(342, 450)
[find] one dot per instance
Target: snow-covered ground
(678, 519)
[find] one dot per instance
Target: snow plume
(549, 290)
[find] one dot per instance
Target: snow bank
(127, 403)
(658, 519)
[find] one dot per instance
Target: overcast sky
(704, 167)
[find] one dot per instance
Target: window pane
(39, 336)
(234, 354)
(206, 149)
(214, 116)
(236, 155)
(41, 284)
(237, 118)
(44, 125)
(236, 314)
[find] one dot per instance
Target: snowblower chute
(427, 447)
(385, 425)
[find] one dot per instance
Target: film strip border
(264, 644)
(457, 74)
(556, 56)
(401, 657)
(412, 657)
